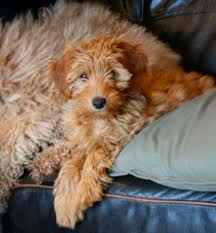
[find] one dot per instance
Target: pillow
(178, 150)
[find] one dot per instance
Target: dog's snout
(99, 102)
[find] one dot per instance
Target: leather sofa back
(188, 26)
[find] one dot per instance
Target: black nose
(99, 102)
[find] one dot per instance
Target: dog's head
(98, 73)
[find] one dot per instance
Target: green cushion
(178, 150)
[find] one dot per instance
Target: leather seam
(159, 201)
(126, 197)
(179, 14)
(185, 9)
(22, 186)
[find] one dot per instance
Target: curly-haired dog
(105, 81)
(100, 93)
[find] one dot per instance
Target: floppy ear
(133, 56)
(59, 71)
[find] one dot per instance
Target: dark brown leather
(133, 10)
(189, 27)
(10, 8)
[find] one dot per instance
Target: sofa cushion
(178, 150)
(131, 205)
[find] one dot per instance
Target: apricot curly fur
(52, 69)
(135, 94)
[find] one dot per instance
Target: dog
(72, 97)
(111, 95)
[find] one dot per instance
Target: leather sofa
(132, 205)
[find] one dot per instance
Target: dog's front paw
(44, 165)
(67, 214)
(41, 170)
(36, 176)
(37, 169)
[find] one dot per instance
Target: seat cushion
(131, 205)
(178, 150)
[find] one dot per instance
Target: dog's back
(28, 46)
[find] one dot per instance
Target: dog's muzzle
(99, 102)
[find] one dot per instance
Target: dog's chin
(104, 113)
(100, 113)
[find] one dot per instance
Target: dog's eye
(112, 74)
(84, 77)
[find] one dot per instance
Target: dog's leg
(49, 161)
(77, 191)
(64, 189)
